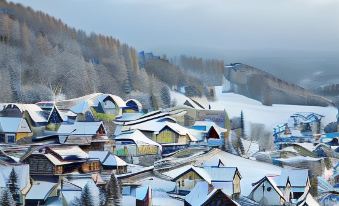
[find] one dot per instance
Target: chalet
(88, 135)
(13, 129)
(171, 136)
(266, 192)
(109, 161)
(225, 178)
(205, 194)
(59, 160)
(23, 181)
(134, 146)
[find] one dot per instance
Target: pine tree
(113, 192)
(13, 185)
(242, 133)
(86, 196)
(6, 198)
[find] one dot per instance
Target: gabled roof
(271, 181)
(106, 158)
(158, 126)
(13, 125)
(34, 111)
(137, 137)
(177, 173)
(209, 174)
(69, 152)
(80, 128)
(201, 194)
(40, 190)
(297, 177)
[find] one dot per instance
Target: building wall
(267, 197)
(167, 136)
(188, 181)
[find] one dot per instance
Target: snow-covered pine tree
(113, 192)
(6, 198)
(165, 96)
(242, 133)
(13, 185)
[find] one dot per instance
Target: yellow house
(225, 178)
(13, 129)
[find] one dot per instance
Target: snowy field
(255, 112)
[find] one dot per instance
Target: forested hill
(42, 58)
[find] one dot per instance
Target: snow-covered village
(88, 120)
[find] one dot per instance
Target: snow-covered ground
(255, 112)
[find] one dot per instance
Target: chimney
(210, 188)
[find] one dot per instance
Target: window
(269, 189)
(2, 138)
(183, 183)
(10, 138)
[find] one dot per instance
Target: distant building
(13, 129)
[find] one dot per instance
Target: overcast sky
(235, 30)
(198, 26)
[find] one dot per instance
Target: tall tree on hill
(113, 192)
(6, 198)
(13, 185)
(242, 133)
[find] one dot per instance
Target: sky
(265, 33)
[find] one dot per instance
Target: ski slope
(255, 112)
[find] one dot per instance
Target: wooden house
(134, 146)
(213, 135)
(40, 192)
(59, 160)
(225, 178)
(13, 129)
(109, 161)
(171, 136)
(204, 194)
(88, 135)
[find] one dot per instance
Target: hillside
(42, 58)
(257, 113)
(268, 89)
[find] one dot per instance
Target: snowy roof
(209, 174)
(139, 105)
(297, 159)
(117, 100)
(156, 127)
(138, 137)
(141, 192)
(13, 125)
(34, 111)
(270, 180)
(208, 125)
(80, 128)
(297, 177)
(40, 190)
(80, 108)
(22, 172)
(221, 174)
(69, 152)
(200, 194)
(106, 158)
(214, 162)
(177, 173)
